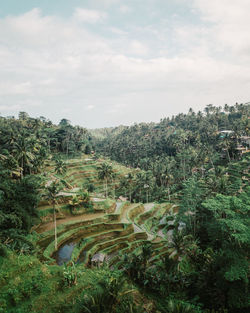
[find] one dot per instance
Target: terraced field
(100, 236)
(113, 228)
(82, 172)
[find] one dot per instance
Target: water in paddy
(82, 257)
(118, 205)
(64, 253)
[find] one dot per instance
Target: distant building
(244, 145)
(242, 142)
(225, 133)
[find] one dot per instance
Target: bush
(106, 295)
(3, 250)
(70, 274)
(90, 187)
(178, 306)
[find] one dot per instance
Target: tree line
(176, 148)
(26, 144)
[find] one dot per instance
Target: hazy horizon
(105, 63)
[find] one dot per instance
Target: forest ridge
(182, 225)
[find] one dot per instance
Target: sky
(101, 63)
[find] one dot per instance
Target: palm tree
(2, 157)
(105, 172)
(226, 145)
(127, 184)
(173, 306)
(23, 152)
(53, 189)
(60, 166)
(130, 179)
(140, 177)
(226, 108)
(74, 203)
(181, 245)
(113, 178)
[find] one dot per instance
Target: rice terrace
(106, 220)
(124, 156)
(109, 228)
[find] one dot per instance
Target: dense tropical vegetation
(177, 147)
(197, 164)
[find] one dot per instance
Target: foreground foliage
(185, 160)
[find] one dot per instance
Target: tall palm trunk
(169, 194)
(67, 147)
(106, 183)
(21, 170)
(113, 182)
(54, 209)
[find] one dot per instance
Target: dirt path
(117, 208)
(160, 234)
(50, 225)
(137, 228)
(49, 206)
(98, 199)
(148, 206)
(123, 217)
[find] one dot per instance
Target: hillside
(174, 149)
(110, 223)
(162, 227)
(88, 236)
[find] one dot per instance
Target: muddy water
(82, 257)
(118, 205)
(64, 253)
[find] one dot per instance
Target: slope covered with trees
(26, 144)
(179, 241)
(177, 147)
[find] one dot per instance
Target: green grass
(93, 240)
(27, 285)
(78, 233)
(110, 233)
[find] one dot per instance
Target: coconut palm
(52, 189)
(175, 306)
(23, 151)
(105, 172)
(74, 203)
(2, 157)
(60, 166)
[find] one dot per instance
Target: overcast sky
(109, 62)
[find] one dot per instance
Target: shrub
(105, 295)
(70, 274)
(3, 250)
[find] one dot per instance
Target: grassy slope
(93, 227)
(29, 285)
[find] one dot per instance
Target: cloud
(53, 66)
(230, 22)
(105, 3)
(89, 16)
(90, 107)
(137, 48)
(125, 9)
(23, 88)
(118, 31)
(8, 108)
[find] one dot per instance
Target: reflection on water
(118, 205)
(82, 256)
(64, 253)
